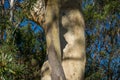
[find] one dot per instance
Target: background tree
(20, 46)
(102, 39)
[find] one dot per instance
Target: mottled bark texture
(53, 40)
(74, 52)
(64, 28)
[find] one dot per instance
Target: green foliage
(100, 10)
(20, 55)
(8, 64)
(102, 32)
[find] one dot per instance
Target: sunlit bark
(74, 51)
(11, 9)
(64, 28)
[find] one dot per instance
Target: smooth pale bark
(64, 28)
(74, 52)
(53, 42)
(11, 9)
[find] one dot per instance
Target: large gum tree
(64, 26)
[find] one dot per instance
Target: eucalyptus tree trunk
(74, 57)
(51, 28)
(64, 29)
(53, 40)
(11, 9)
